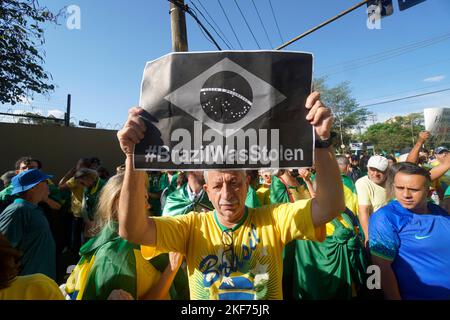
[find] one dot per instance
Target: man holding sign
(233, 252)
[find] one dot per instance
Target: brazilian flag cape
(107, 263)
(327, 270)
(324, 270)
(350, 196)
(278, 190)
(178, 202)
(252, 200)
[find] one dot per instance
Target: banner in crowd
(226, 110)
(357, 146)
(437, 121)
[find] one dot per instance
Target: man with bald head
(233, 252)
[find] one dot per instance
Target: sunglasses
(227, 242)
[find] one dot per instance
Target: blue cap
(440, 149)
(28, 179)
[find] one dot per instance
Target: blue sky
(101, 64)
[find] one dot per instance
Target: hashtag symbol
(151, 153)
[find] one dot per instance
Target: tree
(21, 36)
(38, 119)
(347, 113)
(396, 133)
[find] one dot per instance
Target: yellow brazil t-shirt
(32, 287)
(257, 248)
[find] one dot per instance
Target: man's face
(227, 191)
(411, 190)
(376, 176)
(344, 168)
(41, 190)
(24, 166)
(267, 178)
(390, 162)
(87, 182)
(441, 156)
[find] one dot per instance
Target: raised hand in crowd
(413, 155)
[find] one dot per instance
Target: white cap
(378, 162)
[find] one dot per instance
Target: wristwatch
(323, 144)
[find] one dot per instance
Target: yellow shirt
(32, 287)
(258, 242)
(77, 197)
(263, 194)
(370, 194)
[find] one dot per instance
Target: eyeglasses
(227, 242)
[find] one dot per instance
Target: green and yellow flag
(178, 202)
(109, 262)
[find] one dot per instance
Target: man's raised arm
(329, 201)
(134, 223)
(413, 155)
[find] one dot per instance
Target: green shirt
(5, 195)
(27, 229)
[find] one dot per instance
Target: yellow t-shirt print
(258, 243)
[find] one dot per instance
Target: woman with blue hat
(24, 224)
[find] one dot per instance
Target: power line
(404, 98)
(262, 24)
(375, 55)
(367, 100)
(188, 10)
(248, 26)
(385, 55)
(196, 9)
(228, 43)
(229, 23)
(276, 21)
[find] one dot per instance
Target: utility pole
(178, 25)
(67, 114)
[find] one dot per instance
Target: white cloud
(56, 113)
(434, 79)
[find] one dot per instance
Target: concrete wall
(58, 148)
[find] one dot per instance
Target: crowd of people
(308, 233)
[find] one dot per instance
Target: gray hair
(205, 173)
(342, 160)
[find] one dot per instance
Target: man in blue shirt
(24, 224)
(410, 239)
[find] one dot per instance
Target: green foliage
(347, 113)
(35, 118)
(21, 56)
(395, 134)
